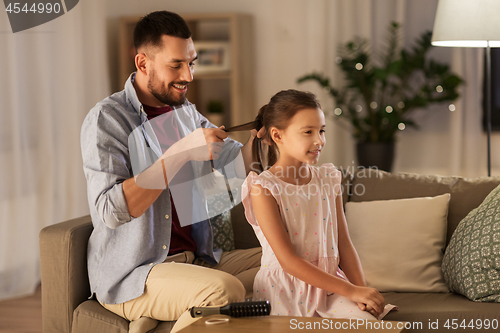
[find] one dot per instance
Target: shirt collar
(133, 99)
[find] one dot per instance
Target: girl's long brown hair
(277, 113)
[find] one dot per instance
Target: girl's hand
(369, 309)
(260, 134)
(368, 299)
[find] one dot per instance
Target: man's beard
(165, 96)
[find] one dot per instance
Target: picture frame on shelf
(213, 57)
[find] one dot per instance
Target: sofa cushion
(90, 316)
(223, 231)
(466, 193)
(471, 264)
(426, 308)
(244, 236)
(400, 243)
(221, 223)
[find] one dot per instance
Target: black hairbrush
(239, 309)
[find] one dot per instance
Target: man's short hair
(152, 26)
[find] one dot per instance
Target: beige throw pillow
(400, 242)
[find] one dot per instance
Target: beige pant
(182, 281)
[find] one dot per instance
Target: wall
(294, 37)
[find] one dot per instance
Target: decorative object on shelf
(212, 57)
(378, 100)
(215, 112)
(462, 23)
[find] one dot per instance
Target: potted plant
(378, 100)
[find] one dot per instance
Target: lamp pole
(467, 23)
(488, 102)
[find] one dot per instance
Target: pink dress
(310, 218)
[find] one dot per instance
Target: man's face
(171, 70)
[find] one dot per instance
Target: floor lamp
(470, 23)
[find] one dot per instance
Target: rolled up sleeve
(106, 165)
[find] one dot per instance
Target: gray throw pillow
(471, 264)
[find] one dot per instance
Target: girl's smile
(315, 152)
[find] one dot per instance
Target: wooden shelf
(212, 76)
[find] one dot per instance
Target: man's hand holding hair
(143, 189)
(203, 144)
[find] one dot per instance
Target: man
(141, 261)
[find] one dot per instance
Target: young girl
(296, 212)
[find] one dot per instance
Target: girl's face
(304, 138)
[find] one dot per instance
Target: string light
(359, 66)
(388, 109)
(358, 108)
(452, 107)
(373, 105)
(439, 89)
(337, 111)
(401, 126)
(401, 104)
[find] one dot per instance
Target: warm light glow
(401, 104)
(388, 109)
(439, 89)
(359, 66)
(358, 108)
(467, 23)
(401, 126)
(337, 111)
(373, 105)
(466, 43)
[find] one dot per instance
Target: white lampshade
(467, 23)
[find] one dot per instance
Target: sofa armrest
(63, 261)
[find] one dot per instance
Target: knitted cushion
(471, 264)
(221, 224)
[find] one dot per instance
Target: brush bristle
(248, 309)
